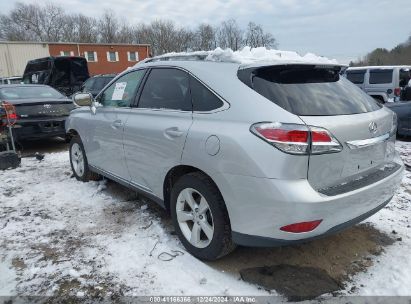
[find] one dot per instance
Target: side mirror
(83, 99)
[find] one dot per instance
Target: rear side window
(380, 76)
(203, 98)
(309, 90)
(356, 76)
(166, 88)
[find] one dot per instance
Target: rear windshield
(310, 90)
(356, 77)
(34, 92)
(380, 76)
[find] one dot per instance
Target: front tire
(78, 161)
(200, 217)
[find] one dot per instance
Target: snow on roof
(248, 56)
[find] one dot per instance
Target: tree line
(49, 23)
(399, 55)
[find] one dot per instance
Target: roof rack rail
(192, 57)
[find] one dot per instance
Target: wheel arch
(173, 175)
(71, 133)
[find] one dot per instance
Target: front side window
(203, 99)
(121, 93)
(380, 76)
(405, 76)
(166, 89)
(356, 76)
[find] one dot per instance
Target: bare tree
(86, 29)
(33, 22)
(256, 37)
(108, 26)
(230, 35)
(164, 37)
(204, 37)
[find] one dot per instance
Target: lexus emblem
(373, 127)
(47, 106)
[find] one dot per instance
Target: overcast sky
(341, 29)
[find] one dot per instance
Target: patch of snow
(248, 55)
(391, 273)
(7, 278)
(103, 237)
(96, 234)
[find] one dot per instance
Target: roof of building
(73, 43)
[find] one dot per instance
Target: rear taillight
(8, 114)
(397, 92)
(301, 227)
(297, 139)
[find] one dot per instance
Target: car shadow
(28, 148)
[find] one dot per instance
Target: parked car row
(265, 154)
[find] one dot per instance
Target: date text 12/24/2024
(202, 299)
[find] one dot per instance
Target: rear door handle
(174, 132)
(117, 124)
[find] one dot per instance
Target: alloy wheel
(195, 218)
(77, 159)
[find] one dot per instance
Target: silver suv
(261, 154)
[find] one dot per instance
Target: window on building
(91, 56)
(112, 56)
(132, 56)
(66, 53)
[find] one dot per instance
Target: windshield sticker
(119, 91)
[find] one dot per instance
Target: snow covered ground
(61, 236)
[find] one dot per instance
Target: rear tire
(200, 217)
(79, 163)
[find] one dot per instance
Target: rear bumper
(37, 129)
(259, 241)
(259, 207)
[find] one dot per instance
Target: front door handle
(174, 132)
(117, 124)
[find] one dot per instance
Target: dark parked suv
(66, 73)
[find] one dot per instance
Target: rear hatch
(42, 109)
(323, 99)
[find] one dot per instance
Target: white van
(384, 83)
